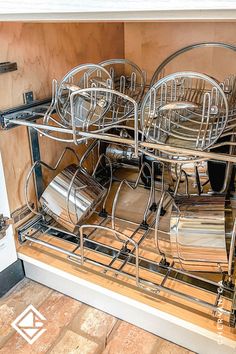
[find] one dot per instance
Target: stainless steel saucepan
(201, 233)
(71, 196)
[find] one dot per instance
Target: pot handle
(178, 105)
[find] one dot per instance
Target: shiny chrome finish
(194, 170)
(84, 195)
(127, 77)
(166, 119)
(178, 105)
(51, 168)
(228, 83)
(80, 77)
(198, 232)
(185, 111)
(105, 122)
(120, 153)
(133, 187)
(134, 260)
(212, 174)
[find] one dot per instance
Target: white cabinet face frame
(112, 10)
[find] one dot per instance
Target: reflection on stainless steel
(127, 78)
(198, 233)
(166, 118)
(218, 51)
(211, 174)
(178, 105)
(161, 231)
(82, 76)
(188, 111)
(193, 170)
(85, 194)
(119, 153)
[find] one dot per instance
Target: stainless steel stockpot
(199, 233)
(71, 196)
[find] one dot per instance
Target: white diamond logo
(29, 324)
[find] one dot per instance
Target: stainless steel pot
(199, 233)
(71, 196)
(190, 170)
(120, 153)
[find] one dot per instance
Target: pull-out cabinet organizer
(125, 212)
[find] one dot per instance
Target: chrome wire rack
(200, 55)
(137, 216)
(124, 249)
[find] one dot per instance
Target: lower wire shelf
(113, 258)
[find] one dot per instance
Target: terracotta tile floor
(73, 327)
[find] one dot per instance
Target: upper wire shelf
(185, 116)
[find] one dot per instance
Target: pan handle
(178, 105)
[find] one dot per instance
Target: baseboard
(10, 276)
(162, 324)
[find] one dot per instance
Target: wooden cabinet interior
(44, 51)
(156, 41)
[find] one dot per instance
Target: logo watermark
(219, 315)
(29, 324)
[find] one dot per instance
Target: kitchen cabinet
(46, 41)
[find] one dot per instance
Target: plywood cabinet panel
(44, 51)
(148, 44)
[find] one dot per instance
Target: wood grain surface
(43, 52)
(148, 44)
